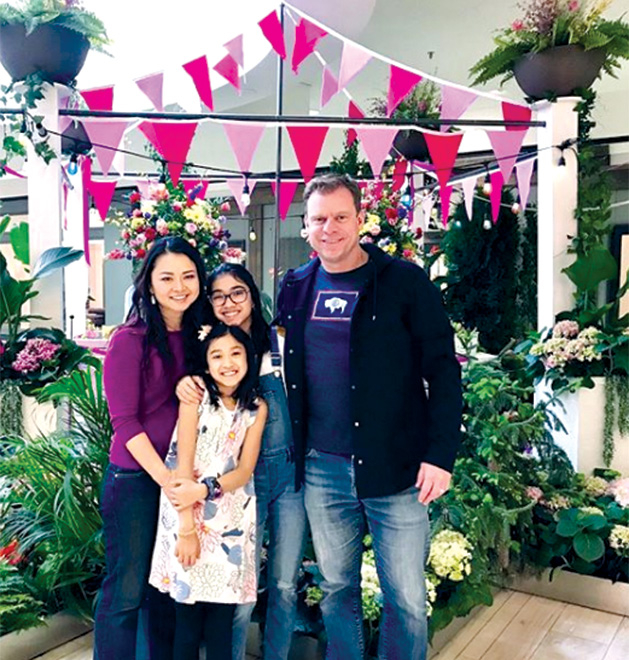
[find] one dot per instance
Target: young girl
(204, 554)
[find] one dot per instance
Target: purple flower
(34, 354)
(147, 216)
(401, 212)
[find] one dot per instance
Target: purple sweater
(141, 401)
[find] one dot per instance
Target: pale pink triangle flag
(427, 205)
(200, 73)
(235, 49)
(443, 151)
(64, 120)
(272, 30)
(102, 193)
(513, 112)
(523, 172)
(495, 195)
(401, 82)
(244, 139)
(143, 186)
(376, 143)
(105, 137)
(236, 187)
(506, 146)
(287, 194)
(153, 86)
(228, 68)
(445, 192)
(469, 188)
(307, 144)
(353, 112)
(353, 61)
(99, 98)
(196, 187)
(454, 102)
(172, 140)
(329, 86)
(307, 36)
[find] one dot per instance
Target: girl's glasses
(237, 296)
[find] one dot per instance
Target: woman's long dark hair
(144, 312)
(260, 330)
(246, 392)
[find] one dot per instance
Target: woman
(235, 300)
(145, 359)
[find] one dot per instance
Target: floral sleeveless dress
(226, 570)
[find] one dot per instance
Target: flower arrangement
(422, 102)
(170, 211)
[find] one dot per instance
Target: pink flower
(225, 207)
(115, 254)
(159, 192)
(573, 5)
(192, 242)
(392, 221)
(619, 489)
(34, 354)
(534, 493)
(177, 206)
(162, 227)
(191, 228)
(408, 254)
(517, 25)
(375, 230)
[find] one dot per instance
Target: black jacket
(400, 337)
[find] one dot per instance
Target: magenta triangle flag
(523, 172)
(329, 86)
(353, 61)
(307, 36)
(443, 151)
(287, 194)
(200, 73)
(469, 188)
(506, 146)
(102, 193)
(496, 194)
(454, 102)
(153, 86)
(399, 174)
(195, 188)
(172, 140)
(99, 98)
(235, 49)
(244, 139)
(228, 68)
(401, 82)
(445, 193)
(105, 137)
(513, 112)
(376, 143)
(272, 30)
(353, 112)
(236, 186)
(307, 144)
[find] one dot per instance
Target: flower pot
(558, 71)
(54, 51)
(411, 145)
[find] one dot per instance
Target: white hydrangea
(451, 555)
(619, 540)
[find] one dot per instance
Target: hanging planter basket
(558, 71)
(411, 145)
(54, 51)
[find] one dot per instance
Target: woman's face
(227, 362)
(231, 302)
(175, 285)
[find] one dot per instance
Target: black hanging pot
(411, 145)
(74, 140)
(558, 71)
(54, 51)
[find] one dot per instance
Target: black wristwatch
(214, 488)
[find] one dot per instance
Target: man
(364, 334)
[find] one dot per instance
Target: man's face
(332, 224)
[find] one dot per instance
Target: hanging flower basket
(411, 145)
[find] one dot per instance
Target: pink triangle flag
(307, 36)
(496, 194)
(85, 163)
(105, 137)
(469, 187)
(376, 142)
(287, 194)
(353, 61)
(236, 187)
(399, 174)
(523, 172)
(64, 120)
(329, 86)
(143, 186)
(172, 140)
(99, 98)
(272, 30)
(513, 112)
(228, 68)
(353, 112)
(235, 49)
(454, 102)
(401, 82)
(445, 193)
(102, 193)
(307, 144)
(506, 146)
(244, 139)
(195, 188)
(199, 72)
(153, 85)
(443, 151)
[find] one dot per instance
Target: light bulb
(487, 225)
(245, 197)
(73, 166)
(515, 208)
(487, 186)
(252, 234)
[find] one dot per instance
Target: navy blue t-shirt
(327, 340)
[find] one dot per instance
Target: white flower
(451, 555)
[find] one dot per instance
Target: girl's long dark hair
(260, 330)
(246, 392)
(144, 312)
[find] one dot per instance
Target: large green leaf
(4, 223)
(54, 258)
(19, 242)
(589, 271)
(589, 547)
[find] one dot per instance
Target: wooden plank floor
(516, 627)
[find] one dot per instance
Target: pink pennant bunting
(172, 140)
(228, 68)
(523, 172)
(454, 102)
(496, 194)
(85, 163)
(307, 144)
(272, 30)
(512, 112)
(287, 194)
(443, 151)
(353, 112)
(105, 137)
(236, 187)
(399, 174)
(427, 205)
(189, 185)
(401, 82)
(506, 146)
(64, 120)
(329, 86)
(307, 36)
(469, 188)
(65, 204)
(153, 85)
(244, 139)
(445, 193)
(199, 72)
(102, 193)
(235, 49)
(99, 98)
(353, 61)
(376, 142)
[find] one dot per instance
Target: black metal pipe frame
(278, 169)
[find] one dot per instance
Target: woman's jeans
(400, 530)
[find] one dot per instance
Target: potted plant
(556, 48)
(48, 37)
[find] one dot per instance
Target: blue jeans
(400, 530)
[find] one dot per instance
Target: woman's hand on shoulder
(190, 390)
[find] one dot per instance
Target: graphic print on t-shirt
(334, 305)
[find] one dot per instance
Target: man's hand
(183, 492)
(190, 390)
(188, 550)
(432, 482)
